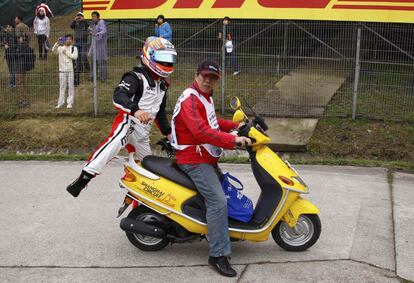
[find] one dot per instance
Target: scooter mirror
(238, 116)
(235, 103)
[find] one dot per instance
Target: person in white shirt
(67, 54)
(41, 26)
(229, 46)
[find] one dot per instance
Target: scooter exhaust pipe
(135, 226)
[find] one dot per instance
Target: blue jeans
(82, 61)
(230, 57)
(11, 63)
(208, 184)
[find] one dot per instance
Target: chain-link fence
(287, 68)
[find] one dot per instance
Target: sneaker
(79, 184)
(69, 106)
(221, 265)
(236, 73)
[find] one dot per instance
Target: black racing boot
(79, 184)
(221, 265)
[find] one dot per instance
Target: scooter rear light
(129, 176)
(286, 180)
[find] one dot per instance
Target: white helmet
(159, 55)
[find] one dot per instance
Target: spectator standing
(229, 45)
(10, 44)
(22, 60)
(46, 7)
(41, 26)
(21, 28)
(163, 28)
(67, 54)
(80, 26)
(98, 31)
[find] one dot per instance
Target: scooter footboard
(299, 206)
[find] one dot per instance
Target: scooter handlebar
(261, 122)
(240, 145)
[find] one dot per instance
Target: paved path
(303, 93)
(48, 236)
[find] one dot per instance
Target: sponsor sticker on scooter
(167, 199)
(152, 190)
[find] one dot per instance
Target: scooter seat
(166, 167)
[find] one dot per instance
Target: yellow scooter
(170, 210)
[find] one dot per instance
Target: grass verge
(334, 142)
(11, 156)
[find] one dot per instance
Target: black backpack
(30, 59)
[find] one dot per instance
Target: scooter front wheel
(298, 238)
(143, 242)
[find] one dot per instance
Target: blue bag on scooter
(239, 206)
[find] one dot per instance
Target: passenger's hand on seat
(142, 116)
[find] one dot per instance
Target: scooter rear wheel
(142, 242)
(298, 238)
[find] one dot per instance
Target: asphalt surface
(47, 235)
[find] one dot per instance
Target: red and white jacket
(192, 128)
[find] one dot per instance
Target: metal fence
(287, 68)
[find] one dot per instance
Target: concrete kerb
(403, 213)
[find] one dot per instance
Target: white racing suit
(136, 91)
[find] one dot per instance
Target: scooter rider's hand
(241, 124)
(142, 116)
(243, 141)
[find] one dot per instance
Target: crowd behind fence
(287, 68)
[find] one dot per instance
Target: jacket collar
(147, 74)
(197, 88)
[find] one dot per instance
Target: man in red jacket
(199, 138)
